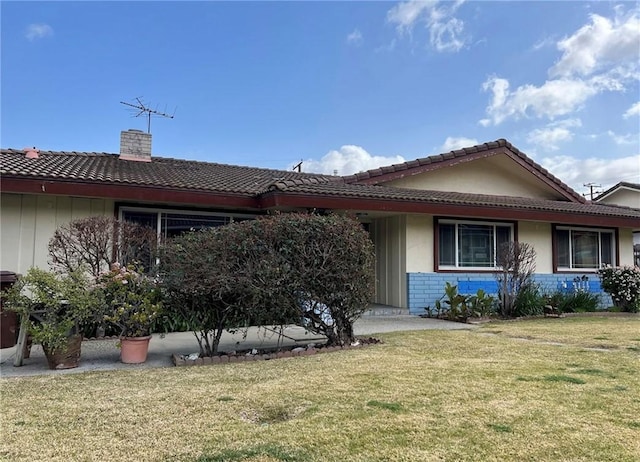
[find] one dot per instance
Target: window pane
(149, 219)
(446, 245)
(475, 245)
(606, 249)
(562, 242)
(175, 224)
(585, 249)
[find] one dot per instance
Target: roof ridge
(462, 152)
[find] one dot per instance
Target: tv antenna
(298, 167)
(591, 187)
(144, 109)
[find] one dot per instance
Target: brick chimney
(135, 145)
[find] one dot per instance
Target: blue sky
(343, 86)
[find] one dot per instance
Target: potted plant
(53, 307)
(133, 302)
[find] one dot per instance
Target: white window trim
(494, 224)
(569, 269)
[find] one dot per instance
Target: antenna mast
(148, 111)
(591, 192)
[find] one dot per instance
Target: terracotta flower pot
(133, 350)
(66, 358)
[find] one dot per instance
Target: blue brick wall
(425, 288)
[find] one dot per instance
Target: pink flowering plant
(133, 299)
(623, 284)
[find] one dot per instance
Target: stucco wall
(420, 240)
(389, 236)
(623, 196)
(539, 236)
(498, 175)
(625, 236)
(27, 222)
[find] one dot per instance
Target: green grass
(420, 396)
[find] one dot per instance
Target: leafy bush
(529, 301)
(623, 284)
(273, 270)
(578, 301)
(63, 303)
(132, 299)
(460, 307)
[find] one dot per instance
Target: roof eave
(105, 190)
(276, 199)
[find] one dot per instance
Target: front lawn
(501, 392)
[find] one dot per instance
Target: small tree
(94, 243)
(516, 262)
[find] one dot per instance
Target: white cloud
(603, 42)
(446, 32)
(624, 139)
(554, 98)
(634, 110)
(355, 37)
(452, 143)
(554, 133)
(577, 172)
(349, 159)
(38, 31)
(601, 56)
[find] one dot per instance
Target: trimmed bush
(623, 284)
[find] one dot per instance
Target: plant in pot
(53, 308)
(133, 303)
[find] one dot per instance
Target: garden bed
(254, 354)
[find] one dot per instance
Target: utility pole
(591, 192)
(148, 111)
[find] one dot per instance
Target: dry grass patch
(421, 396)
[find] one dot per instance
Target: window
(173, 223)
(470, 244)
(583, 248)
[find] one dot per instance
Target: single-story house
(627, 195)
(432, 220)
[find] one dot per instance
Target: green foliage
(62, 303)
(458, 307)
(133, 300)
(574, 302)
(623, 284)
(529, 301)
(273, 270)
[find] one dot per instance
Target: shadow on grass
(259, 452)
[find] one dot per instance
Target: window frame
(159, 211)
(438, 221)
(615, 247)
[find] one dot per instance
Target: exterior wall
(623, 196)
(539, 236)
(625, 239)
(425, 288)
(27, 223)
(498, 175)
(389, 237)
(420, 241)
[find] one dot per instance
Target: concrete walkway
(104, 355)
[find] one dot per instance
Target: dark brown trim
(128, 192)
(554, 247)
(436, 242)
(279, 199)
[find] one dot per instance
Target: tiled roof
(622, 184)
(362, 191)
(160, 173)
(427, 163)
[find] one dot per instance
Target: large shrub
(623, 284)
(273, 270)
